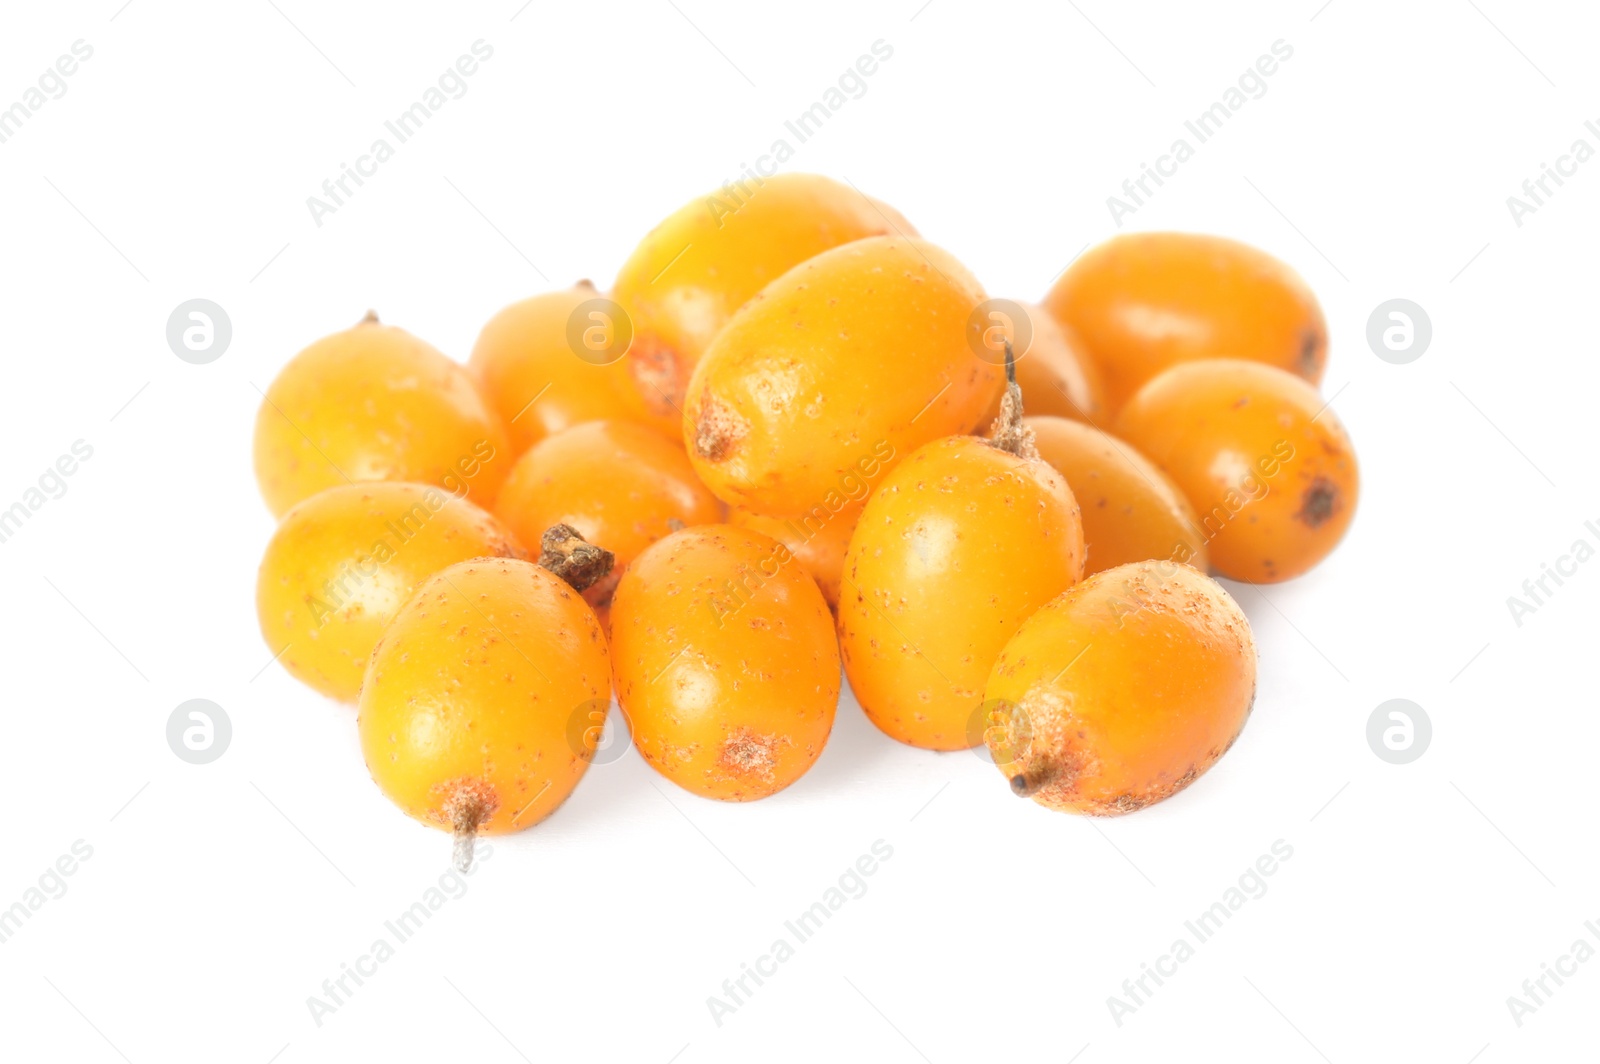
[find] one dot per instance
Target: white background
(220, 897)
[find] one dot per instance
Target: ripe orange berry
(1054, 370)
(726, 662)
(833, 371)
(817, 541)
(527, 368)
(1142, 302)
(688, 276)
(621, 485)
(342, 562)
(1132, 511)
(1123, 691)
(375, 403)
(467, 705)
(957, 547)
(1266, 465)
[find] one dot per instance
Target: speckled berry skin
(1132, 511)
(343, 561)
(846, 363)
(818, 541)
(1122, 691)
(726, 662)
(694, 270)
(1144, 302)
(955, 549)
(620, 484)
(375, 403)
(527, 370)
(1262, 458)
(472, 693)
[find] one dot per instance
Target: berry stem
(571, 557)
(1008, 433)
(465, 816)
(370, 318)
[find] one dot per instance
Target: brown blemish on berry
(744, 753)
(657, 373)
(1319, 503)
(1310, 344)
(718, 429)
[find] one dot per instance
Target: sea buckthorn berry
(727, 666)
(1122, 691)
(343, 561)
(465, 711)
(688, 276)
(1264, 462)
(957, 547)
(1142, 302)
(817, 540)
(1131, 510)
(621, 485)
(376, 403)
(833, 371)
(1053, 370)
(527, 369)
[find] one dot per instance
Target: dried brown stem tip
(573, 558)
(1008, 432)
(371, 318)
(466, 813)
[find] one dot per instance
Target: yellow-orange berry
(620, 484)
(1264, 461)
(726, 662)
(1122, 691)
(467, 709)
(840, 366)
(817, 540)
(375, 403)
(1132, 511)
(1054, 370)
(529, 371)
(957, 547)
(702, 263)
(1142, 302)
(343, 561)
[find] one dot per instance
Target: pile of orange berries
(792, 438)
